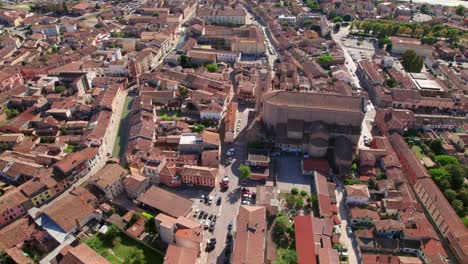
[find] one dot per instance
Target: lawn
(418, 151)
(121, 251)
(121, 139)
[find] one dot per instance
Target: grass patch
(24, 7)
(418, 151)
(121, 139)
(121, 249)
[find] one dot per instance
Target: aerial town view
(234, 131)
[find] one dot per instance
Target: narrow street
(348, 241)
(350, 64)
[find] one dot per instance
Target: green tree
(281, 226)
(429, 40)
(347, 17)
(286, 256)
(458, 206)
(156, 14)
(438, 174)
(212, 67)
(185, 61)
(135, 256)
(294, 191)
(54, 48)
(457, 175)
(460, 10)
(59, 89)
(112, 232)
(11, 112)
(324, 59)
(337, 19)
(463, 195)
(390, 82)
(352, 181)
(298, 202)
(150, 225)
(111, 45)
(303, 193)
(425, 9)
(245, 171)
(337, 27)
(65, 7)
(183, 92)
(443, 160)
(412, 62)
(450, 194)
(465, 221)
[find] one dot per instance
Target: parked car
(207, 224)
(349, 230)
(212, 226)
(195, 213)
(202, 199)
(218, 203)
(210, 200)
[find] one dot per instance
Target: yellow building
(37, 191)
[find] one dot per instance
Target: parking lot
(359, 49)
(290, 174)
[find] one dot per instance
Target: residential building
(81, 254)
(51, 30)
(202, 176)
(363, 217)
(250, 235)
(135, 185)
(357, 194)
(110, 180)
(13, 205)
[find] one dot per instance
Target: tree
(212, 67)
(245, 171)
(59, 89)
(443, 160)
(4, 258)
(303, 193)
(425, 9)
(465, 221)
(150, 225)
(450, 194)
(286, 256)
(135, 256)
(337, 19)
(54, 49)
(458, 206)
(298, 202)
(65, 7)
(156, 14)
(412, 62)
(389, 47)
(337, 27)
(347, 17)
(185, 61)
(294, 191)
(10, 112)
(460, 10)
(457, 175)
(353, 168)
(429, 40)
(438, 174)
(390, 82)
(280, 226)
(436, 146)
(324, 59)
(112, 232)
(352, 181)
(183, 92)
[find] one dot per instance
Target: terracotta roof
(166, 202)
(210, 137)
(180, 255)
(109, 175)
(358, 190)
(305, 244)
(73, 160)
(320, 165)
(82, 6)
(197, 171)
(250, 236)
(388, 224)
(16, 232)
(11, 199)
(356, 213)
(83, 254)
(75, 206)
(192, 234)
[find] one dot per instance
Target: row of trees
(382, 29)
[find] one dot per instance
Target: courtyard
(289, 173)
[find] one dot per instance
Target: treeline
(428, 33)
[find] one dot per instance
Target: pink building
(13, 204)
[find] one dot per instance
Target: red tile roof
(305, 244)
(250, 235)
(83, 254)
(180, 255)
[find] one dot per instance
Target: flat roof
(428, 85)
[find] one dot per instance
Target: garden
(118, 248)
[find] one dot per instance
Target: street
(346, 240)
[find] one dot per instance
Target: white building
(357, 194)
(291, 20)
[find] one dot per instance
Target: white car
(195, 213)
(210, 200)
(206, 224)
(245, 202)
